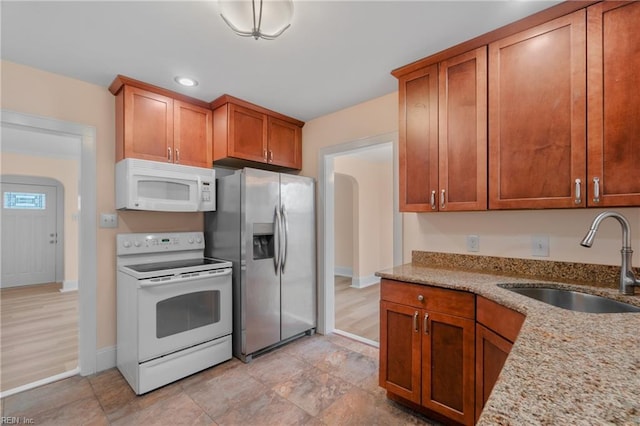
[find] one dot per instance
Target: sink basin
(574, 300)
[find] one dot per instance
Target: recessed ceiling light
(186, 81)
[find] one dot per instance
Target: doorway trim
(45, 181)
(87, 250)
(326, 224)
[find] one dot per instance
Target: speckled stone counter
(565, 368)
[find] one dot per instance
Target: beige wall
(375, 117)
(66, 172)
(502, 233)
(344, 193)
(374, 221)
(32, 91)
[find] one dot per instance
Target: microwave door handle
(199, 200)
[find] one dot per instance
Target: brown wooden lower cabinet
(497, 328)
(491, 353)
(434, 356)
(427, 349)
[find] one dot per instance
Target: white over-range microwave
(166, 187)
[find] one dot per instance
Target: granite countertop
(565, 367)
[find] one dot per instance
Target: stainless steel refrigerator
(265, 225)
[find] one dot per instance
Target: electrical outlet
(540, 245)
(473, 243)
(108, 220)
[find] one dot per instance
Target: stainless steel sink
(574, 300)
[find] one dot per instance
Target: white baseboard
(361, 282)
(343, 271)
(106, 358)
(69, 286)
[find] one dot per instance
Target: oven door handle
(154, 282)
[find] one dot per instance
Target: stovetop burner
(174, 264)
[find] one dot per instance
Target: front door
(29, 237)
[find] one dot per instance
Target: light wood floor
(357, 309)
(38, 333)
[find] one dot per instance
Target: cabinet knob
(420, 297)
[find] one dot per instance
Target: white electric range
(174, 308)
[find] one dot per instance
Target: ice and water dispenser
(263, 242)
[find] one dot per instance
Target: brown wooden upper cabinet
(159, 125)
(244, 132)
(443, 136)
(537, 116)
(613, 115)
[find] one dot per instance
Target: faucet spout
(627, 278)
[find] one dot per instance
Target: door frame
(45, 181)
(87, 248)
(326, 224)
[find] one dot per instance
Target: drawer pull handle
(415, 321)
(432, 201)
(425, 324)
(420, 297)
(596, 189)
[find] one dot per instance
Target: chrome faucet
(627, 278)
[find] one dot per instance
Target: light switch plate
(540, 245)
(473, 243)
(108, 220)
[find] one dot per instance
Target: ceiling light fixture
(265, 19)
(186, 81)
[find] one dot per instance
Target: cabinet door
(448, 364)
(491, 353)
(285, 144)
(247, 137)
(537, 116)
(418, 147)
(613, 53)
(148, 125)
(192, 137)
(462, 103)
(400, 350)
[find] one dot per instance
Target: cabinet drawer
(452, 302)
(504, 321)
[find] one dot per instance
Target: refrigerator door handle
(277, 221)
(285, 227)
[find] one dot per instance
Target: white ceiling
(336, 53)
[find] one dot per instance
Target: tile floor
(317, 380)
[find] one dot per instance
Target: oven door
(182, 311)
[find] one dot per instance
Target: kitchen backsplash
(569, 272)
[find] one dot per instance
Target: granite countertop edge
(565, 367)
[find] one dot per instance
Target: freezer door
(260, 280)
(298, 263)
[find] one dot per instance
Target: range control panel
(161, 242)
